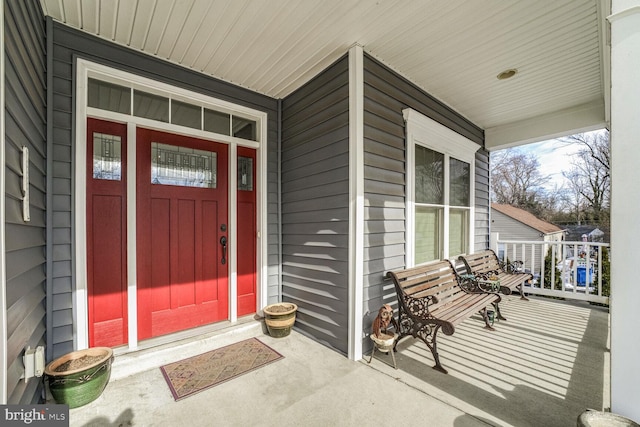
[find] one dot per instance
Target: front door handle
(223, 242)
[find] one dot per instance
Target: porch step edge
(138, 361)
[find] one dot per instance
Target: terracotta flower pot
(280, 318)
(79, 377)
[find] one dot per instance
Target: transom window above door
(167, 109)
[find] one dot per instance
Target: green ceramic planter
(78, 378)
(280, 318)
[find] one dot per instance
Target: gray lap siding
(308, 181)
(68, 44)
(386, 94)
(25, 241)
(315, 205)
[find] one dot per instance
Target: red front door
(181, 232)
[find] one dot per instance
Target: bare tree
(575, 205)
(516, 180)
(589, 176)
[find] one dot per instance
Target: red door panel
(184, 256)
(106, 236)
(182, 281)
(160, 273)
(207, 291)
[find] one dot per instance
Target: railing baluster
(599, 271)
(565, 261)
(575, 270)
(542, 263)
(588, 276)
(533, 259)
(553, 268)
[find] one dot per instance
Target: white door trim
(86, 69)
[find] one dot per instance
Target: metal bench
(433, 298)
(486, 266)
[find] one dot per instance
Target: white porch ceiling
(452, 49)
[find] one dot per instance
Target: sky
(554, 157)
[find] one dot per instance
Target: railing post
(493, 241)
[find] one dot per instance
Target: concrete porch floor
(543, 367)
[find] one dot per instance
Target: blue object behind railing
(582, 275)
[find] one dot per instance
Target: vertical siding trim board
(279, 201)
(80, 306)
(356, 200)
(3, 263)
(49, 184)
(262, 214)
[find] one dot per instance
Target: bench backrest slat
(437, 279)
(483, 261)
(420, 285)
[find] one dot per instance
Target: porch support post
(356, 201)
(625, 209)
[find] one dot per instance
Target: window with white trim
(440, 188)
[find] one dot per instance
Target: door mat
(198, 373)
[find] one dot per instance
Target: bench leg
(429, 337)
(498, 314)
(521, 288)
(486, 319)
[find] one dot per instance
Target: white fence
(578, 267)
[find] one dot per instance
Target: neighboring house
(172, 167)
(578, 233)
(513, 223)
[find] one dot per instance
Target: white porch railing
(578, 272)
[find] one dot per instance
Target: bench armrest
(511, 267)
(419, 307)
(479, 283)
(488, 276)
